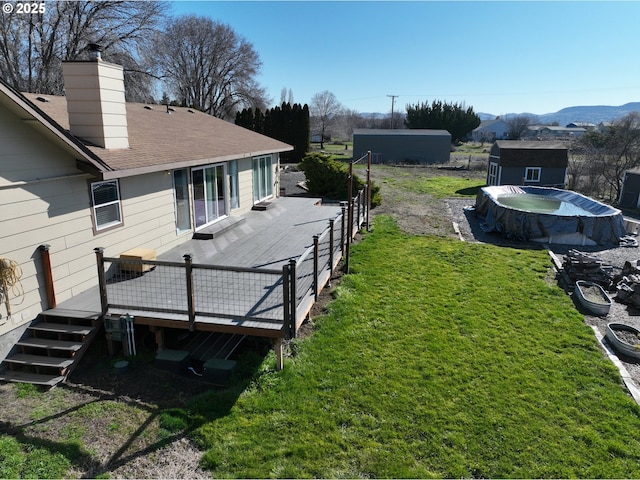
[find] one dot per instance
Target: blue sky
(498, 57)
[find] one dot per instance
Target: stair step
(39, 360)
(262, 206)
(35, 378)
(50, 344)
(71, 314)
(61, 328)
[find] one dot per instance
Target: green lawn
(437, 359)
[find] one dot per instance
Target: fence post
(188, 267)
(102, 281)
(292, 299)
(316, 273)
(359, 208)
(331, 240)
(48, 275)
(342, 227)
(349, 235)
(368, 189)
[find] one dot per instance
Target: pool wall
(603, 225)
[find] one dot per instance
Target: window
(262, 178)
(181, 199)
(105, 200)
(532, 174)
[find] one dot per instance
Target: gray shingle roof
(159, 140)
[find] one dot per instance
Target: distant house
(630, 193)
(513, 162)
(586, 125)
(551, 132)
(490, 131)
(404, 146)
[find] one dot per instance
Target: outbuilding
(404, 146)
(542, 164)
(630, 193)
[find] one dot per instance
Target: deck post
(286, 292)
(102, 281)
(331, 240)
(48, 275)
(316, 273)
(292, 298)
(188, 264)
(279, 354)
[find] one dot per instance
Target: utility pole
(393, 98)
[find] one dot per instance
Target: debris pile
(583, 266)
(629, 284)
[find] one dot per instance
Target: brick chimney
(95, 100)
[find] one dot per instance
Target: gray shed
(630, 194)
(413, 146)
(535, 163)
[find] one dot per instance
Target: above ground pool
(548, 215)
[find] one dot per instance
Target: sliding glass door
(209, 201)
(262, 178)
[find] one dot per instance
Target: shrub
(330, 178)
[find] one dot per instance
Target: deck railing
(183, 291)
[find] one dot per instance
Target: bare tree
(614, 152)
(324, 110)
(286, 96)
(209, 67)
(33, 47)
(518, 125)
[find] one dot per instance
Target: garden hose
(10, 274)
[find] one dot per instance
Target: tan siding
(57, 212)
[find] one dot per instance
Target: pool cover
(603, 226)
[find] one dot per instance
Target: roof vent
(190, 111)
(148, 107)
(43, 99)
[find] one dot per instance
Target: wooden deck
(265, 240)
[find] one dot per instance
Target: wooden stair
(51, 347)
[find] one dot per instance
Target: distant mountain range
(592, 114)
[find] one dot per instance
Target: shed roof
(400, 131)
(158, 140)
(531, 145)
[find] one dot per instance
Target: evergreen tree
(452, 117)
(287, 123)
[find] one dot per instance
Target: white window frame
(262, 178)
(532, 174)
(95, 207)
(219, 213)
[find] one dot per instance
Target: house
(551, 132)
(490, 131)
(588, 126)
(513, 162)
(414, 146)
(88, 181)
